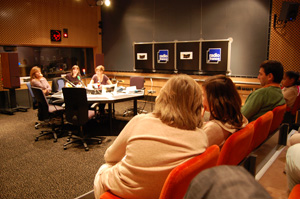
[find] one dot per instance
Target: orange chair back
(295, 193)
(296, 105)
(180, 177)
(236, 147)
(109, 195)
(261, 129)
(278, 114)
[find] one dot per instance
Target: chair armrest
(95, 105)
(57, 102)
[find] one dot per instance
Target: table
(110, 99)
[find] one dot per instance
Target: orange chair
(278, 114)
(290, 114)
(295, 193)
(296, 106)
(109, 195)
(180, 177)
(261, 129)
(236, 147)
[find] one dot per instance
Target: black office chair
(139, 83)
(57, 84)
(47, 113)
(78, 114)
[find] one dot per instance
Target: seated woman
(100, 78)
(292, 165)
(37, 80)
(74, 77)
(222, 101)
(151, 145)
(290, 89)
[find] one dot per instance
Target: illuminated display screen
(55, 35)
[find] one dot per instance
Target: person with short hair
(37, 80)
(225, 182)
(100, 77)
(74, 77)
(269, 96)
(151, 145)
(290, 88)
(222, 101)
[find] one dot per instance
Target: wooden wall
(244, 85)
(28, 22)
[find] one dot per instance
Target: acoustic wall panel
(187, 56)
(143, 56)
(164, 56)
(199, 56)
(214, 56)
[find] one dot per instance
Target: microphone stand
(96, 90)
(69, 82)
(78, 77)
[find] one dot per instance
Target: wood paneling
(244, 85)
(28, 22)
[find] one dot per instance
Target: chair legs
(42, 133)
(81, 138)
(53, 131)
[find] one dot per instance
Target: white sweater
(144, 154)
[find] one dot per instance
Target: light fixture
(107, 2)
(93, 3)
(101, 2)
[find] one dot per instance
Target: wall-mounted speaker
(10, 70)
(289, 11)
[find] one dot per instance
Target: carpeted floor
(43, 169)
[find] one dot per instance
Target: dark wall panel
(187, 58)
(246, 21)
(143, 57)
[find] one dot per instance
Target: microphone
(69, 82)
(96, 90)
(151, 83)
(78, 77)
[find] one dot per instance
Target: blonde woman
(100, 77)
(37, 80)
(151, 145)
(74, 76)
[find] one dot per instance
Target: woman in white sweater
(151, 145)
(222, 101)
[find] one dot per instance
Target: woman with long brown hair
(222, 101)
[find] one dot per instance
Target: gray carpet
(43, 169)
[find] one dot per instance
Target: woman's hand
(46, 92)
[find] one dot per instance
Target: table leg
(110, 117)
(134, 107)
